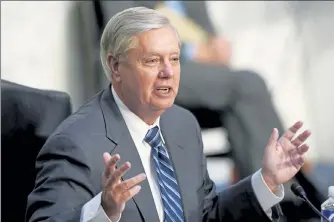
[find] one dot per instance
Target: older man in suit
(164, 177)
(239, 96)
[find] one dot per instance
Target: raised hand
(114, 192)
(284, 157)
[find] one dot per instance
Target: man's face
(149, 76)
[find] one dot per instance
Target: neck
(147, 114)
(148, 117)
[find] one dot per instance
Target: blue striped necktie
(169, 188)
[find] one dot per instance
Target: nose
(166, 70)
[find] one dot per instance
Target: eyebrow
(157, 54)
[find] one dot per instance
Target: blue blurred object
(188, 49)
(176, 6)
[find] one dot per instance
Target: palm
(285, 156)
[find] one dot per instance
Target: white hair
(118, 35)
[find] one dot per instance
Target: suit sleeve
(62, 182)
(237, 203)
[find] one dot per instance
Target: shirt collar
(133, 122)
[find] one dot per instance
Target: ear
(113, 64)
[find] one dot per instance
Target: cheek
(146, 82)
(177, 73)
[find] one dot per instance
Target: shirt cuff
(93, 211)
(266, 198)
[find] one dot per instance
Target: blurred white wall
(33, 41)
(37, 46)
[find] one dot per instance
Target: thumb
(273, 138)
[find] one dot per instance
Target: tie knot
(153, 137)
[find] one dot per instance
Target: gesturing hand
(284, 157)
(114, 192)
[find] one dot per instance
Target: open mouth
(164, 90)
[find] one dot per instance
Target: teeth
(164, 90)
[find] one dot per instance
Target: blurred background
(289, 45)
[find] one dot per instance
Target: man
(164, 176)
(240, 97)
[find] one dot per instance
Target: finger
(110, 163)
(273, 138)
(118, 173)
(303, 149)
(290, 133)
(106, 158)
(299, 162)
(130, 193)
(301, 138)
(128, 184)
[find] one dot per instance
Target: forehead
(162, 40)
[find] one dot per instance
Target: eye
(152, 61)
(175, 59)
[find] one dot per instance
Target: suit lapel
(144, 199)
(118, 133)
(177, 153)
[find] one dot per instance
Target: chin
(162, 105)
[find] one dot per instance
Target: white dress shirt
(92, 210)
